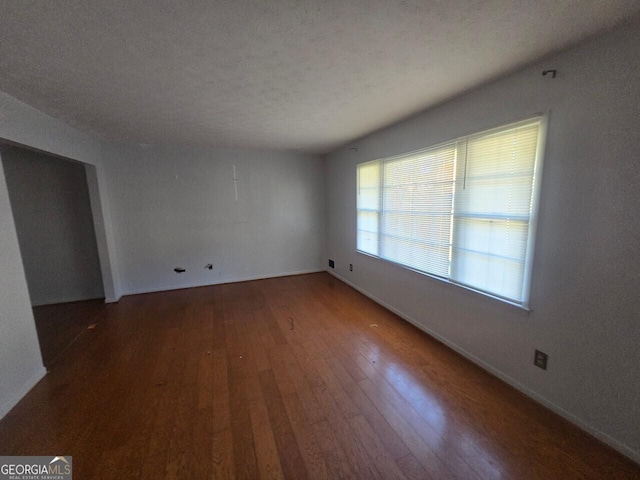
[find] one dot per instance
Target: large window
(462, 211)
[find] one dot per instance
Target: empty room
(319, 239)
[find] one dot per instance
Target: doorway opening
(54, 222)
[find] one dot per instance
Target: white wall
(176, 207)
(585, 300)
(20, 360)
(52, 214)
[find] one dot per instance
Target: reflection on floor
(60, 325)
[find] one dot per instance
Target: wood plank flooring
(286, 378)
(61, 324)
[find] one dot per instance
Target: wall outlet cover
(540, 359)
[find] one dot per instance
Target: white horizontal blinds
(493, 204)
(461, 210)
(368, 206)
(417, 200)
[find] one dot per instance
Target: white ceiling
(306, 75)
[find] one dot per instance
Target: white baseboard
(223, 281)
(14, 397)
(603, 437)
(55, 301)
(71, 300)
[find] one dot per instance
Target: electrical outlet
(540, 359)
(351, 267)
(332, 264)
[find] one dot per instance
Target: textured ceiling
(305, 75)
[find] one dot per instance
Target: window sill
(520, 307)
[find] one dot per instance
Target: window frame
(542, 119)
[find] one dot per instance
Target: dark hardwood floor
(286, 378)
(61, 324)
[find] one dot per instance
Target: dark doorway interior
(52, 213)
